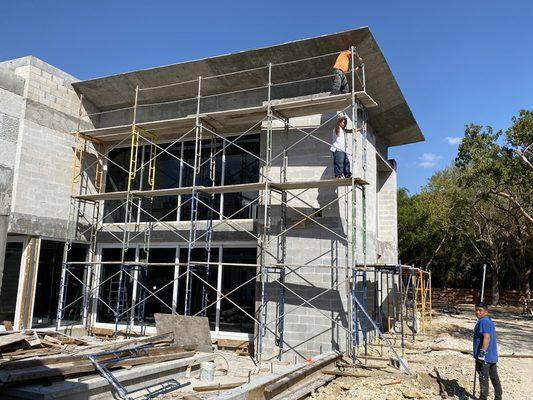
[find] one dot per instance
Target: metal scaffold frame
(87, 216)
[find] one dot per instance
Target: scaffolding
(273, 272)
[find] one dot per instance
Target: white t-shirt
(338, 142)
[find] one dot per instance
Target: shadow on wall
(327, 301)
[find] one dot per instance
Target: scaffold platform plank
(236, 120)
(244, 187)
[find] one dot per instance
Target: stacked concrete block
(11, 109)
(42, 157)
(387, 239)
(318, 293)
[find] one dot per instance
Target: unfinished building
(206, 188)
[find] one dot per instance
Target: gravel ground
(515, 336)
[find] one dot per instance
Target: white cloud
(428, 160)
(453, 140)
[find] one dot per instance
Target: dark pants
(340, 83)
(341, 164)
(486, 371)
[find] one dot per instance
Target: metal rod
(266, 221)
(194, 202)
(483, 283)
(400, 284)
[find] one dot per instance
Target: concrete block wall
(11, 109)
(11, 106)
(387, 238)
(44, 148)
(309, 330)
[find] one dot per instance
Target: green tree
(497, 168)
(478, 211)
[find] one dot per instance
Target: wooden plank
(6, 340)
(73, 358)
(287, 381)
(303, 389)
(33, 340)
(239, 188)
(232, 343)
(53, 340)
(218, 386)
(294, 185)
(345, 373)
(65, 370)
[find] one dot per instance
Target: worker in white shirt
(341, 164)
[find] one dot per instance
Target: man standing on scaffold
(341, 67)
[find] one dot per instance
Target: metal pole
(387, 341)
(68, 240)
(62, 287)
(283, 244)
(430, 304)
(364, 301)
(194, 203)
(266, 209)
(134, 153)
(413, 305)
(353, 242)
(400, 285)
(483, 282)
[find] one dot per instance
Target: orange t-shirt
(343, 60)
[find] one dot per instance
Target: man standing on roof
(341, 67)
(486, 353)
(341, 164)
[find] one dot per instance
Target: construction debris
(23, 344)
(36, 357)
(447, 370)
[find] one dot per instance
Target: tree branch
(516, 203)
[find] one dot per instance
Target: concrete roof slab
(392, 119)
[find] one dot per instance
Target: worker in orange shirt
(341, 67)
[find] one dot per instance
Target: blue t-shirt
(485, 325)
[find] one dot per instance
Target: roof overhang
(392, 120)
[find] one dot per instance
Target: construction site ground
(456, 369)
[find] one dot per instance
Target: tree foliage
(478, 211)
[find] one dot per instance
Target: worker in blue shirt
(486, 353)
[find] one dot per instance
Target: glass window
(203, 296)
(232, 319)
(210, 175)
(241, 167)
(74, 312)
(49, 277)
(10, 281)
(118, 164)
(238, 284)
(156, 285)
(109, 286)
(167, 176)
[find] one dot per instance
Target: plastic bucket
(207, 371)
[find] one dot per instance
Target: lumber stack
(22, 344)
(33, 356)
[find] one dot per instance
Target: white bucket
(207, 371)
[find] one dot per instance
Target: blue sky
(455, 61)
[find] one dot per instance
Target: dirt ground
(515, 336)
